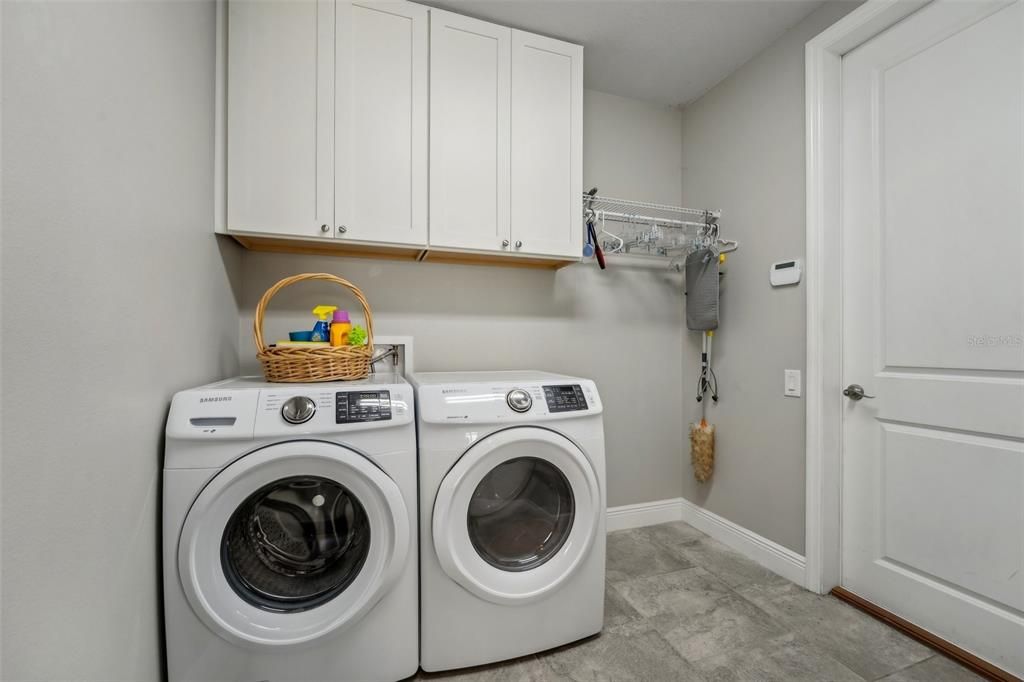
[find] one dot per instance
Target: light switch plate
(791, 385)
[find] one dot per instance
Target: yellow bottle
(340, 327)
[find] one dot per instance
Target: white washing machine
(512, 514)
(289, 543)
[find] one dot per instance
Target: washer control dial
(519, 400)
(298, 409)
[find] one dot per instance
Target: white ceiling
(668, 51)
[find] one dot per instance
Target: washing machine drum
(292, 542)
(516, 516)
(295, 543)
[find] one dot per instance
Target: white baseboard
(771, 555)
(644, 514)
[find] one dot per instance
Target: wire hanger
(620, 240)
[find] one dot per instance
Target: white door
(291, 542)
(547, 146)
(469, 133)
(381, 122)
(933, 324)
(516, 515)
(280, 117)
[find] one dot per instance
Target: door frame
(823, 119)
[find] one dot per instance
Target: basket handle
(257, 324)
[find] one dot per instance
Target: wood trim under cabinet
(944, 647)
(328, 248)
(512, 261)
(410, 254)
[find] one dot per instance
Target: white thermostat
(785, 272)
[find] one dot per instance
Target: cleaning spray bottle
(322, 328)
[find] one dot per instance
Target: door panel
(381, 122)
(977, 544)
(280, 147)
(469, 132)
(939, 399)
(547, 145)
(933, 324)
(950, 178)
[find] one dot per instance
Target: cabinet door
(547, 146)
(280, 117)
(381, 122)
(469, 133)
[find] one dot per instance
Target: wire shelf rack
(646, 228)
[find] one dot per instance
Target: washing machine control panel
(361, 406)
(565, 398)
(248, 407)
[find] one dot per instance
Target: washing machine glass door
(516, 515)
(291, 542)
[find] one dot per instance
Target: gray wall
(621, 327)
(115, 294)
(631, 148)
(743, 152)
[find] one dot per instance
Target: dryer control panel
(567, 398)
(511, 402)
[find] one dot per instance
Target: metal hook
(589, 209)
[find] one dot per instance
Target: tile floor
(681, 606)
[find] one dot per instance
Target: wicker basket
(300, 365)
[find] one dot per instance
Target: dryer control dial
(519, 400)
(298, 409)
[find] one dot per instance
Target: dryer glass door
(517, 514)
(291, 542)
(521, 513)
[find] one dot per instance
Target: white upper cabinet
(506, 139)
(280, 117)
(387, 124)
(327, 120)
(469, 133)
(381, 122)
(547, 146)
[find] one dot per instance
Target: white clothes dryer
(289, 532)
(512, 514)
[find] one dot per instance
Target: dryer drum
(295, 543)
(521, 514)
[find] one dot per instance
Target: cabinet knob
(504, 243)
(519, 244)
(342, 229)
(325, 228)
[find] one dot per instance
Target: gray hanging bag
(702, 290)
